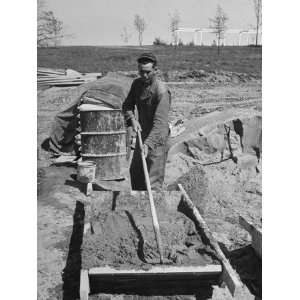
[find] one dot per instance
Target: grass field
(104, 59)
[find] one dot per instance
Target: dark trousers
(156, 163)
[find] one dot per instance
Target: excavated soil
(124, 238)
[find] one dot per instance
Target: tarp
(109, 91)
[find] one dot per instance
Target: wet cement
(124, 238)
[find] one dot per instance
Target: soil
(124, 238)
(222, 190)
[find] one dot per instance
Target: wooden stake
(84, 285)
(89, 188)
(255, 234)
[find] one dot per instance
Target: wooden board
(229, 276)
(161, 270)
(255, 233)
(162, 280)
(84, 285)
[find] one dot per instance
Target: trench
(123, 239)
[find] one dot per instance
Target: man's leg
(156, 162)
(136, 171)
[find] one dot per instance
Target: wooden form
(229, 276)
(106, 278)
(255, 233)
(160, 278)
(159, 270)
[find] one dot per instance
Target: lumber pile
(60, 77)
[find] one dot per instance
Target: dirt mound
(222, 164)
(199, 76)
(213, 76)
(195, 183)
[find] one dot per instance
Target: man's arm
(129, 104)
(160, 129)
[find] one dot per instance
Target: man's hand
(135, 125)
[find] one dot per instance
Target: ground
(228, 188)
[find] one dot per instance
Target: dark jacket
(153, 104)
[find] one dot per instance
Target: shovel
(152, 206)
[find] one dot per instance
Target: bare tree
(174, 23)
(140, 26)
(125, 35)
(218, 24)
(258, 15)
(49, 28)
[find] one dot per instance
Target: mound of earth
(220, 156)
(199, 76)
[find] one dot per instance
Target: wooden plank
(62, 84)
(255, 233)
(158, 280)
(89, 188)
(84, 285)
(229, 276)
(160, 270)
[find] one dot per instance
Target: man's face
(146, 71)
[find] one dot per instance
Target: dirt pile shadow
(157, 290)
(71, 272)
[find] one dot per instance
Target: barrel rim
(103, 132)
(103, 155)
(92, 107)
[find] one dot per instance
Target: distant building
(206, 36)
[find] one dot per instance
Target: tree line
(51, 30)
(218, 24)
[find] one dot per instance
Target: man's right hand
(135, 125)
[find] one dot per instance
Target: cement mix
(124, 238)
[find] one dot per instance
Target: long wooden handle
(152, 206)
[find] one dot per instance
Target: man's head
(147, 66)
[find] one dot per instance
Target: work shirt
(153, 104)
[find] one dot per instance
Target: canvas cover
(109, 91)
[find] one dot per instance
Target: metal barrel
(103, 140)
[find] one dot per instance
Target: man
(152, 100)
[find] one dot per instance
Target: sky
(100, 22)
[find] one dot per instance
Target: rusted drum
(103, 140)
